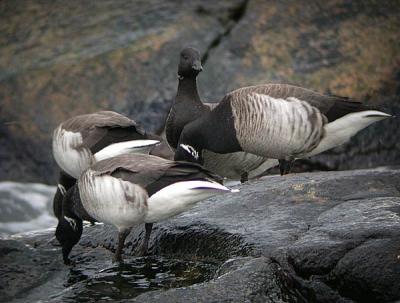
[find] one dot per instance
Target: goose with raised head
(132, 189)
(84, 139)
(187, 107)
(278, 121)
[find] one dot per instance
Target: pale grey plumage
(276, 128)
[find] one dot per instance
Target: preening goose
(131, 189)
(188, 107)
(276, 121)
(82, 140)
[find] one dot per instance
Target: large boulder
(314, 237)
(61, 59)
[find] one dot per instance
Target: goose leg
(122, 234)
(244, 177)
(285, 166)
(145, 244)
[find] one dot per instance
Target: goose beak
(197, 66)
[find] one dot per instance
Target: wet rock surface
(313, 237)
(61, 59)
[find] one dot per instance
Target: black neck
(187, 90)
(72, 205)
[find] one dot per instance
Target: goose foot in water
(123, 233)
(143, 249)
(285, 166)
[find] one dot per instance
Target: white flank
(69, 153)
(179, 197)
(274, 127)
(127, 147)
(113, 201)
(341, 130)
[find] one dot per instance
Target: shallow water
(135, 276)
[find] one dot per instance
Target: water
(25, 207)
(26, 210)
(135, 276)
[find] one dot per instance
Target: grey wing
(333, 107)
(103, 128)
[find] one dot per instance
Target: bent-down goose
(131, 189)
(277, 121)
(188, 107)
(82, 140)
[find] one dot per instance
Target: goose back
(333, 107)
(151, 172)
(76, 140)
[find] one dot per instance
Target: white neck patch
(62, 189)
(71, 222)
(191, 150)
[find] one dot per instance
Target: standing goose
(131, 189)
(278, 121)
(82, 140)
(188, 107)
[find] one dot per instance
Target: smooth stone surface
(61, 59)
(314, 237)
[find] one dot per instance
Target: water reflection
(135, 276)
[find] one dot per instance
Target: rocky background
(63, 58)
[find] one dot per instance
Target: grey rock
(314, 237)
(58, 60)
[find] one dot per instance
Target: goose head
(68, 233)
(189, 63)
(70, 226)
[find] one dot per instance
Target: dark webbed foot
(285, 166)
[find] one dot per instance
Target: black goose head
(189, 63)
(68, 233)
(69, 228)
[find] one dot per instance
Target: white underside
(112, 200)
(179, 197)
(69, 153)
(127, 147)
(341, 130)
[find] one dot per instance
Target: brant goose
(277, 121)
(85, 139)
(188, 107)
(131, 189)
(82, 140)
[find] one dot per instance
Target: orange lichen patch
(371, 50)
